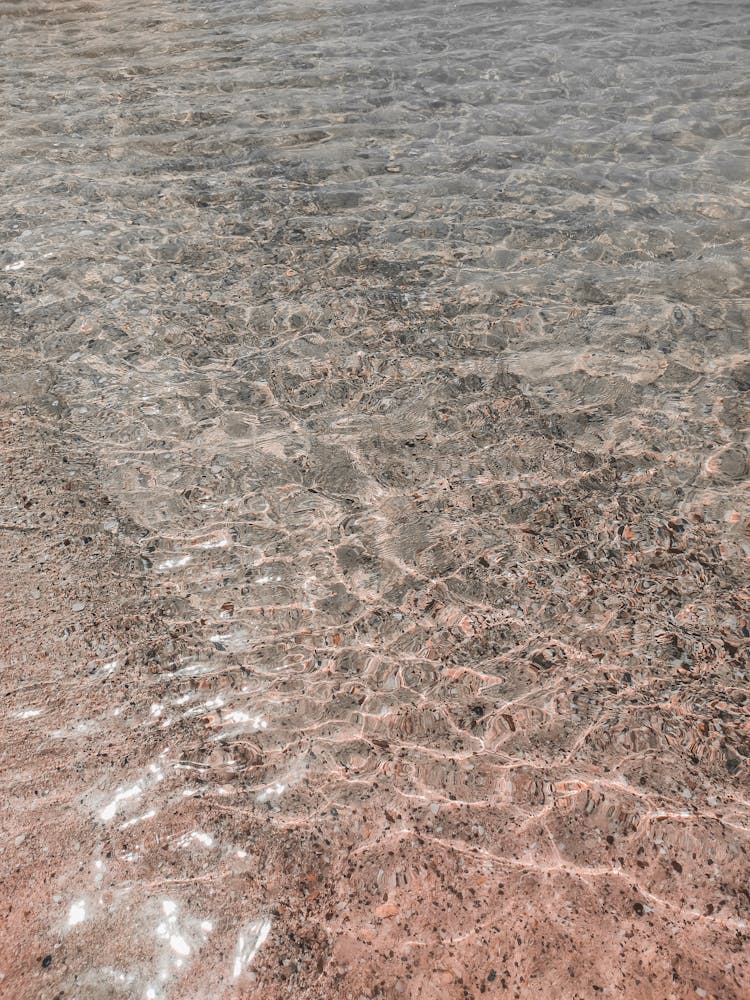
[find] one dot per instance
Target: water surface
(393, 360)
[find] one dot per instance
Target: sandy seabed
(374, 406)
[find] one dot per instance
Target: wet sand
(374, 395)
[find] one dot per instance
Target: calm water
(408, 343)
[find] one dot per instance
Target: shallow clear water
(408, 346)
